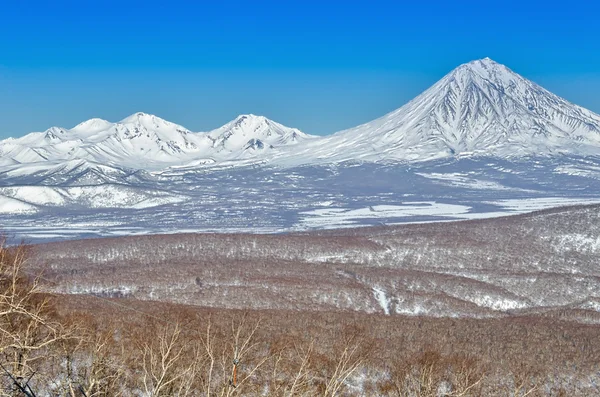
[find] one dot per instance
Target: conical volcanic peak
(482, 64)
(480, 108)
(485, 69)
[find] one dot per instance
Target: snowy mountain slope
(250, 133)
(480, 108)
(144, 141)
(136, 140)
(70, 173)
(9, 205)
(31, 199)
(103, 165)
(481, 134)
(90, 127)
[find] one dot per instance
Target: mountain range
(480, 108)
(481, 134)
(144, 141)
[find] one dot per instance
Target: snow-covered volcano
(480, 108)
(250, 132)
(480, 125)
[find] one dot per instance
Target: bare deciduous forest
(500, 307)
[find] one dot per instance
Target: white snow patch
(465, 181)
(335, 217)
(579, 242)
(382, 299)
(9, 205)
(541, 203)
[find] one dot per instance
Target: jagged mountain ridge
(144, 141)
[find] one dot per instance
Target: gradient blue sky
(321, 66)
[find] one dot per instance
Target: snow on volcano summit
(481, 107)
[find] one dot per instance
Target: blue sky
(319, 66)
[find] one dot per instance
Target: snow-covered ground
(333, 218)
(481, 142)
(271, 200)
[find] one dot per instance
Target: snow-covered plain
(339, 217)
(272, 200)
